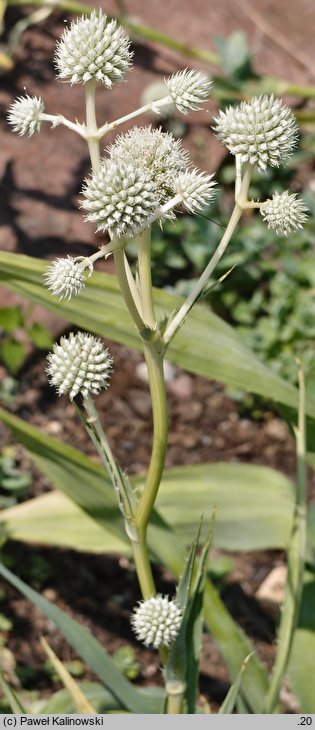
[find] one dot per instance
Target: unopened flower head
(196, 190)
(24, 114)
(120, 198)
(284, 213)
(79, 364)
(93, 47)
(188, 89)
(155, 151)
(65, 278)
(262, 131)
(156, 621)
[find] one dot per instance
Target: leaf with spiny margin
(229, 703)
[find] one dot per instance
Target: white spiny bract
(93, 47)
(65, 278)
(79, 364)
(153, 150)
(195, 189)
(262, 131)
(188, 89)
(24, 114)
(284, 212)
(156, 621)
(119, 198)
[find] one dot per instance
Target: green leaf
(40, 336)
(301, 666)
(194, 627)
(104, 702)
(254, 504)
(85, 645)
(233, 694)
(101, 310)
(35, 520)
(13, 354)
(11, 318)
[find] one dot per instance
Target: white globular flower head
(24, 114)
(93, 47)
(79, 364)
(284, 212)
(158, 152)
(120, 198)
(65, 278)
(195, 189)
(262, 131)
(188, 89)
(156, 621)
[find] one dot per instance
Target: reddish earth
(40, 183)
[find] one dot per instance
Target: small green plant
(145, 177)
(13, 348)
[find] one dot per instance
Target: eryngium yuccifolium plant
(119, 198)
(284, 212)
(24, 114)
(195, 189)
(188, 89)
(79, 364)
(156, 621)
(93, 47)
(158, 152)
(65, 278)
(262, 131)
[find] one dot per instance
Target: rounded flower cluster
(262, 131)
(155, 151)
(24, 114)
(65, 278)
(284, 212)
(93, 47)
(188, 89)
(79, 364)
(195, 189)
(156, 621)
(120, 198)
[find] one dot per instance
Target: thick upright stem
(145, 279)
(123, 279)
(91, 125)
(154, 361)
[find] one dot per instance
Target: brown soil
(41, 180)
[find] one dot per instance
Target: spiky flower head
(93, 47)
(155, 151)
(79, 364)
(195, 189)
(284, 212)
(65, 278)
(24, 114)
(156, 621)
(188, 89)
(262, 131)
(119, 198)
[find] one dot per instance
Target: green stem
(145, 279)
(154, 361)
(123, 279)
(143, 567)
(91, 125)
(182, 313)
(175, 698)
(296, 560)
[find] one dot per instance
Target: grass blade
(229, 703)
(296, 560)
